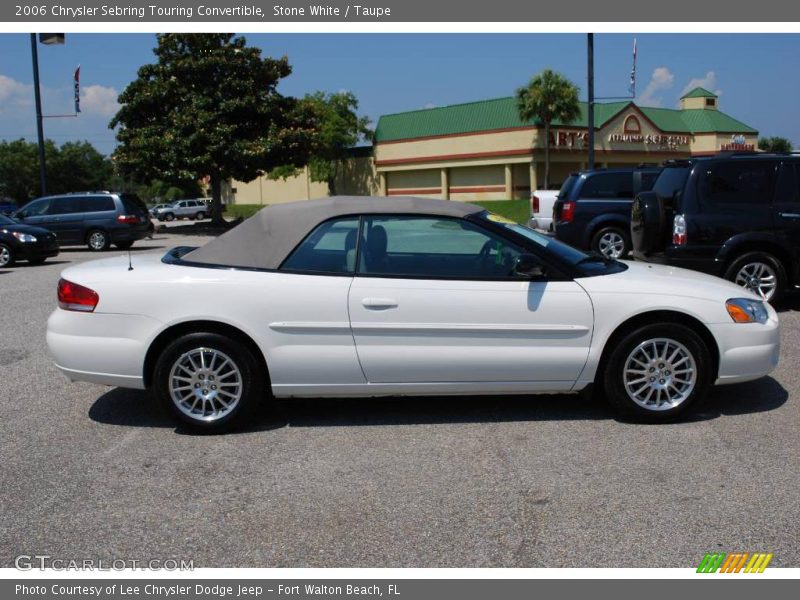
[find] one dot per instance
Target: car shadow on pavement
(139, 409)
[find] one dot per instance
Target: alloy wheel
(758, 277)
(5, 256)
(205, 384)
(659, 374)
(611, 244)
(97, 240)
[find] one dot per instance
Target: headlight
(745, 310)
(24, 237)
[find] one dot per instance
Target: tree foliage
(775, 144)
(209, 106)
(75, 166)
(548, 97)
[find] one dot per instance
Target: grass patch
(516, 210)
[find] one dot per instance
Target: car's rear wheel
(655, 372)
(97, 240)
(200, 216)
(6, 256)
(124, 245)
(209, 381)
(759, 272)
(611, 242)
(169, 217)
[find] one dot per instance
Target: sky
(754, 74)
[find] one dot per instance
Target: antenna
(130, 265)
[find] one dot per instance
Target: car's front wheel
(6, 256)
(209, 381)
(655, 372)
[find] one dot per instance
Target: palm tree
(548, 97)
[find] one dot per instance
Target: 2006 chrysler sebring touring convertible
(353, 296)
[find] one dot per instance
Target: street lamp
(47, 39)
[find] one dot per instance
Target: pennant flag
(633, 71)
(77, 79)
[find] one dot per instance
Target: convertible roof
(265, 240)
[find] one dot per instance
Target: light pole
(49, 39)
(590, 89)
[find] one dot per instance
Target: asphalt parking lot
(547, 481)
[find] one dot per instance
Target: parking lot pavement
(556, 481)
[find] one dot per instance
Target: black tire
(752, 259)
(601, 238)
(254, 385)
(6, 256)
(169, 217)
(37, 261)
(98, 240)
(200, 216)
(124, 245)
(614, 374)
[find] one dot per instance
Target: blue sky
(754, 74)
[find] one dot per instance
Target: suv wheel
(759, 272)
(611, 242)
(169, 217)
(97, 240)
(200, 216)
(657, 371)
(6, 256)
(209, 381)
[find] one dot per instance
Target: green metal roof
(501, 113)
(699, 92)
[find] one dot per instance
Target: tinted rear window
(567, 186)
(65, 206)
(133, 203)
(97, 203)
(671, 181)
(738, 182)
(608, 185)
(648, 180)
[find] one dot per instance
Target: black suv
(593, 208)
(97, 219)
(732, 215)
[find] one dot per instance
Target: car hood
(23, 228)
(663, 280)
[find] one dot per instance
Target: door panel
(418, 331)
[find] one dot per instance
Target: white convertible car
(355, 296)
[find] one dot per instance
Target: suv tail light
(129, 219)
(679, 231)
(72, 296)
(534, 204)
(567, 212)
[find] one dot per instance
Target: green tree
(548, 97)
(775, 144)
(209, 107)
(19, 170)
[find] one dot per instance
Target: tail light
(679, 231)
(567, 212)
(129, 219)
(72, 296)
(535, 204)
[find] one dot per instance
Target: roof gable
(699, 92)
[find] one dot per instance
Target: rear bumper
(747, 351)
(130, 234)
(108, 349)
(544, 224)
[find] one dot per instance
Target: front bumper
(108, 349)
(747, 351)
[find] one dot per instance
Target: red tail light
(679, 231)
(567, 212)
(535, 204)
(72, 296)
(129, 219)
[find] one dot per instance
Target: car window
(738, 182)
(133, 203)
(648, 180)
(608, 185)
(567, 186)
(64, 206)
(97, 203)
(787, 188)
(434, 247)
(36, 208)
(671, 181)
(330, 248)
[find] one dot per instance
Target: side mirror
(529, 266)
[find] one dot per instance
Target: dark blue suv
(593, 208)
(97, 219)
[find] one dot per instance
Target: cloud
(100, 100)
(661, 79)
(708, 82)
(429, 105)
(14, 94)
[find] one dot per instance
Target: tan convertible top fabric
(265, 240)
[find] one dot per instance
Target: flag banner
(77, 78)
(633, 71)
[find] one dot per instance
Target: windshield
(7, 220)
(588, 263)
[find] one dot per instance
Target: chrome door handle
(379, 303)
(790, 215)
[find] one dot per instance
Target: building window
(632, 125)
(711, 101)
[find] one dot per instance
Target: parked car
(542, 202)
(24, 242)
(355, 296)
(593, 208)
(158, 208)
(97, 219)
(183, 209)
(736, 216)
(7, 208)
